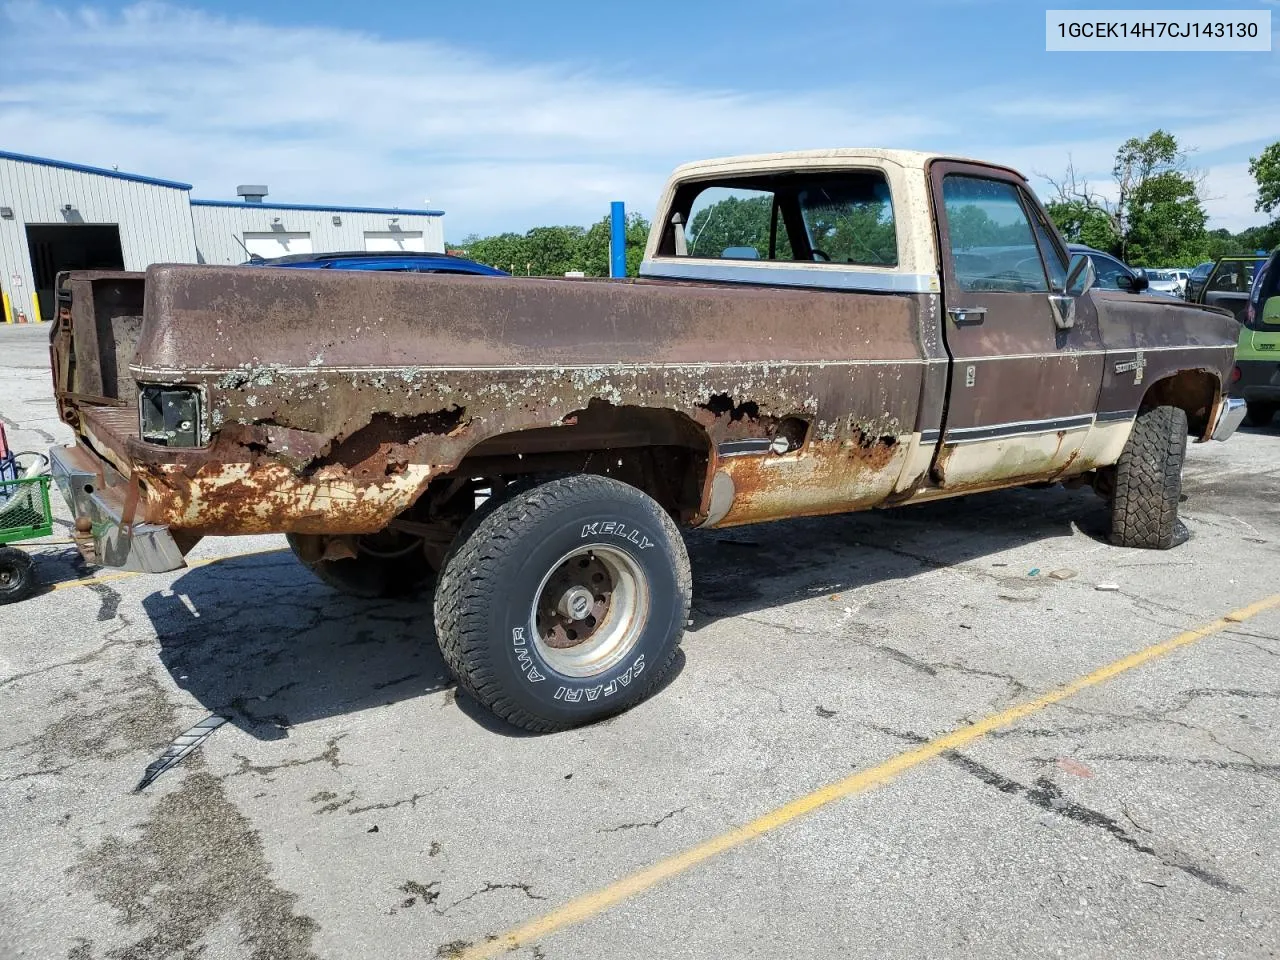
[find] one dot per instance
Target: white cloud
(328, 115)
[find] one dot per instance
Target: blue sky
(508, 115)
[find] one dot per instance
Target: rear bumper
(1230, 415)
(97, 495)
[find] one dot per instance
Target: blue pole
(617, 239)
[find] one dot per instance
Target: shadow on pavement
(749, 568)
(262, 642)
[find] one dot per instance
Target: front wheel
(564, 603)
(1148, 481)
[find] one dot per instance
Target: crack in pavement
(644, 823)
(1271, 770)
(14, 425)
(490, 887)
(329, 755)
(109, 640)
(1048, 796)
(1159, 716)
(392, 804)
(930, 668)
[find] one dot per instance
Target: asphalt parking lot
(935, 746)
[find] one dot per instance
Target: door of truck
(1023, 390)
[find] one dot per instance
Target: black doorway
(70, 246)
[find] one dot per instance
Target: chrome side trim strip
(1017, 428)
(738, 448)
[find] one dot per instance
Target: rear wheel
(1259, 414)
(17, 575)
(564, 603)
(1148, 481)
(385, 564)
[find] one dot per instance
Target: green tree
(555, 251)
(732, 222)
(1265, 169)
(1081, 223)
(1258, 238)
(1157, 217)
(1219, 243)
(1166, 222)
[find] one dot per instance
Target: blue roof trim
(314, 207)
(98, 171)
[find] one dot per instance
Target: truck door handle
(967, 315)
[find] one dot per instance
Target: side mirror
(1134, 284)
(1081, 275)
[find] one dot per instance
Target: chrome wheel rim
(589, 610)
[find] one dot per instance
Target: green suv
(1256, 376)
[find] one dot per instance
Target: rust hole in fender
(384, 446)
(720, 404)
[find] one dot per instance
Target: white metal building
(64, 216)
(58, 216)
(227, 230)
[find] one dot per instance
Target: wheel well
(1195, 391)
(662, 452)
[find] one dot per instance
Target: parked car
(1229, 284)
(392, 261)
(870, 328)
(1196, 281)
(1114, 275)
(1163, 281)
(1256, 376)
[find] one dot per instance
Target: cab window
(735, 223)
(992, 245)
(1055, 260)
(843, 217)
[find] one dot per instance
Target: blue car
(1114, 275)
(394, 261)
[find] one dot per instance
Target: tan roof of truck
(907, 159)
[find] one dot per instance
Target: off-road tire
(488, 584)
(1259, 414)
(364, 576)
(18, 578)
(1148, 482)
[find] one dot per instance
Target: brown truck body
(338, 403)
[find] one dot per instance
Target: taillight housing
(170, 415)
(1235, 374)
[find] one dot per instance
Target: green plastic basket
(24, 509)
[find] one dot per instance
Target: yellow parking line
(591, 904)
(192, 564)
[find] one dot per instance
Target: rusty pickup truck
(810, 333)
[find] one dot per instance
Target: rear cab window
(829, 217)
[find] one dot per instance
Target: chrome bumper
(96, 494)
(1230, 415)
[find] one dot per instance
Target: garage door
(395, 240)
(277, 243)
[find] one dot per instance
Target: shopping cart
(24, 515)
